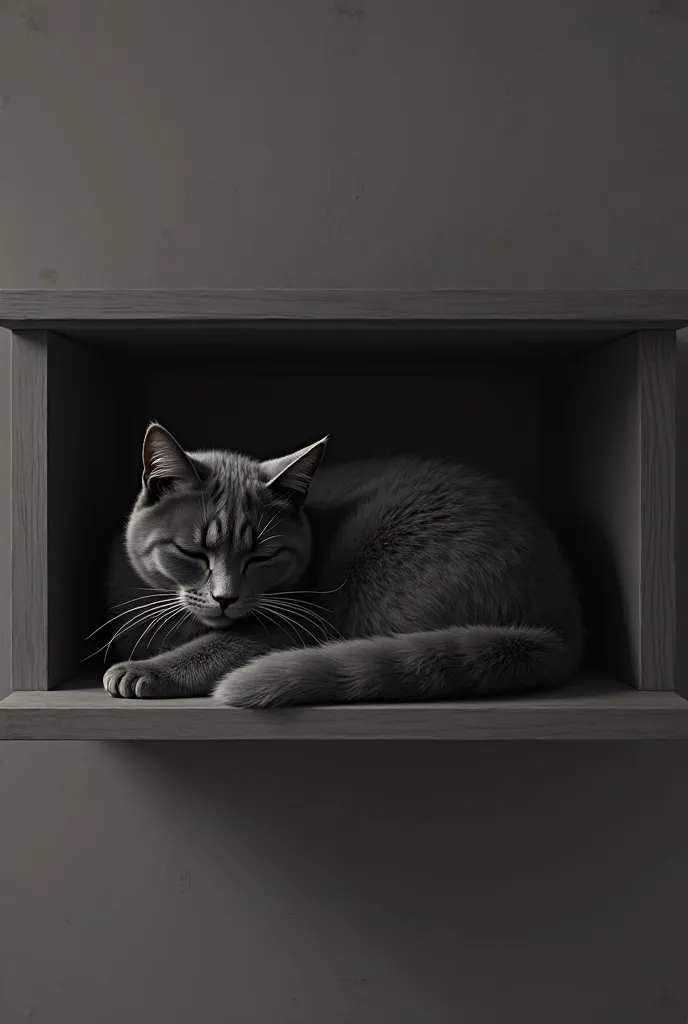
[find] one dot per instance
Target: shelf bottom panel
(593, 707)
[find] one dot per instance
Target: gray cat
(279, 582)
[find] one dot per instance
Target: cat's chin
(219, 622)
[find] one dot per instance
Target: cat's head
(220, 529)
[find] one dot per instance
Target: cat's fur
(426, 579)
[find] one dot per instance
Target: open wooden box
(570, 396)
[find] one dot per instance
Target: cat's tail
(462, 661)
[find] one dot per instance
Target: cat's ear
(292, 474)
(166, 466)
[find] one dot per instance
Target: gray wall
(344, 143)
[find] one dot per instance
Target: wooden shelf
(615, 398)
(591, 709)
(56, 308)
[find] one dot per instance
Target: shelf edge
(71, 715)
(32, 308)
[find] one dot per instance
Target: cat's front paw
(138, 679)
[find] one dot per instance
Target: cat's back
(417, 511)
(413, 483)
(427, 542)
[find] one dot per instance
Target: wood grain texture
(50, 306)
(593, 708)
(681, 573)
(29, 492)
(614, 461)
(657, 444)
(5, 514)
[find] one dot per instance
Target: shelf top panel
(54, 307)
(592, 708)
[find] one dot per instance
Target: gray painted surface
(343, 143)
(345, 883)
(320, 883)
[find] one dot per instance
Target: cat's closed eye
(262, 558)
(196, 555)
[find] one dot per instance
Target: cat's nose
(224, 602)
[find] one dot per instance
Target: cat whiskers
(147, 608)
(254, 614)
(132, 600)
(285, 595)
(145, 603)
(293, 593)
(139, 620)
(261, 613)
(300, 618)
(267, 525)
(307, 611)
(185, 618)
(159, 622)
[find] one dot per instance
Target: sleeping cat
(284, 582)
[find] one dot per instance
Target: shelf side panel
(29, 501)
(614, 462)
(657, 467)
(5, 513)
